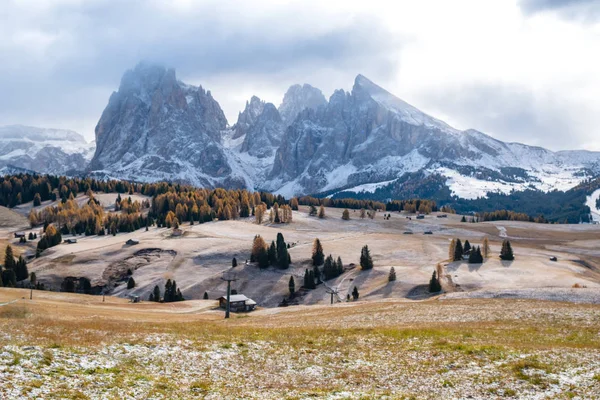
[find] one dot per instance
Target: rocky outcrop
(298, 98)
(155, 127)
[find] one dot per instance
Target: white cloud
(519, 70)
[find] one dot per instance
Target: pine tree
(434, 284)
(156, 294)
(355, 293)
(258, 245)
(328, 268)
(463, 219)
(233, 263)
(321, 212)
(292, 286)
(21, 271)
(452, 249)
(366, 262)
(205, 297)
(306, 282)
(316, 274)
(283, 257)
(9, 278)
(317, 255)
(392, 275)
(506, 253)
(486, 248)
(263, 258)
(130, 283)
(9, 259)
(466, 247)
(346, 215)
(340, 266)
(458, 251)
(272, 254)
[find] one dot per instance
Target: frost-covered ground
(480, 349)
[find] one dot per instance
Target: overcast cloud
(522, 70)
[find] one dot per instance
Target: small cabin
(237, 303)
(132, 242)
(134, 299)
(19, 235)
(71, 241)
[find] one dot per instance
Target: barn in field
(238, 303)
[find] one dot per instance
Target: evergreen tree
(321, 212)
(340, 266)
(466, 247)
(283, 257)
(9, 278)
(311, 280)
(506, 253)
(346, 215)
(234, 263)
(434, 284)
(32, 279)
(21, 271)
(486, 248)
(130, 283)
(9, 259)
(30, 235)
(292, 286)
(355, 293)
(328, 268)
(156, 294)
(366, 262)
(272, 254)
(317, 255)
(263, 258)
(306, 283)
(205, 297)
(316, 274)
(458, 251)
(312, 211)
(392, 275)
(463, 219)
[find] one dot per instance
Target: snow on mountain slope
(43, 150)
(591, 203)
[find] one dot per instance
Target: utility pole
(229, 277)
(332, 291)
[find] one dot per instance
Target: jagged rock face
(264, 135)
(248, 117)
(51, 151)
(298, 98)
(156, 127)
(369, 135)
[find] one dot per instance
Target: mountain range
(156, 127)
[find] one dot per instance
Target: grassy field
(74, 346)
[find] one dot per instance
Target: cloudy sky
(520, 70)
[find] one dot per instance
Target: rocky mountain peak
(297, 98)
(248, 117)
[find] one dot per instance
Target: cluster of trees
(172, 293)
(276, 254)
(457, 251)
(70, 217)
(341, 203)
(309, 279)
(412, 206)
(506, 215)
(14, 270)
(51, 238)
(332, 268)
(280, 215)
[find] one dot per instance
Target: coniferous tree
(292, 286)
(317, 255)
(21, 271)
(312, 211)
(9, 258)
(463, 219)
(485, 251)
(234, 262)
(340, 266)
(283, 257)
(328, 268)
(272, 254)
(466, 247)
(506, 253)
(452, 249)
(316, 274)
(434, 284)
(130, 283)
(458, 251)
(306, 283)
(156, 294)
(392, 275)
(355, 293)
(321, 212)
(205, 297)
(346, 215)
(366, 262)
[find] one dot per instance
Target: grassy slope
(72, 346)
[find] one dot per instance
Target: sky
(519, 70)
